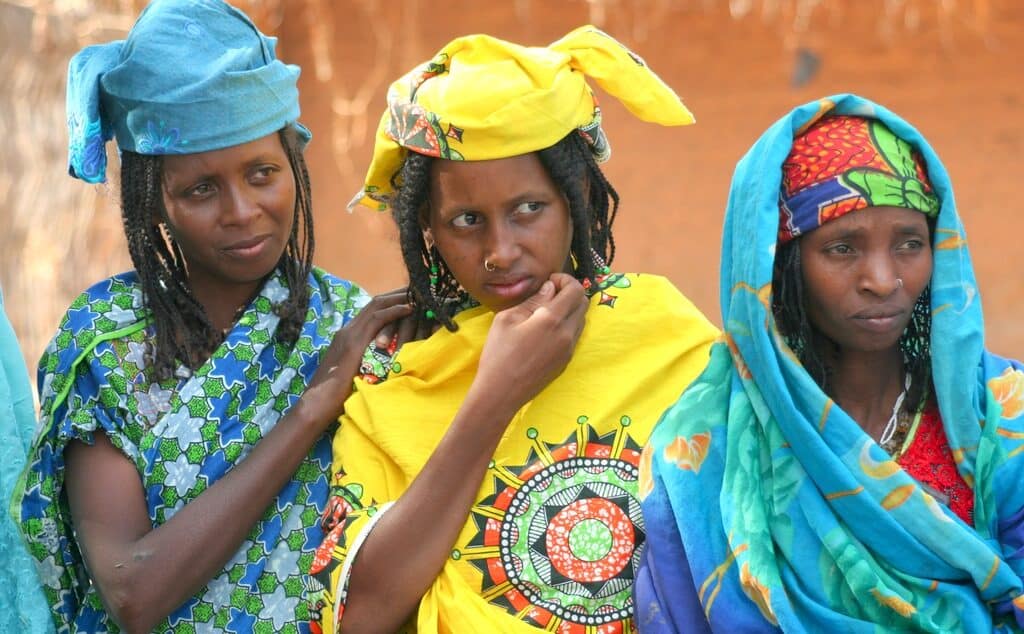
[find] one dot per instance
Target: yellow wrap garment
(553, 538)
(484, 98)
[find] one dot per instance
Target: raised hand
(530, 344)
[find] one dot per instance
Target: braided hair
(183, 331)
(593, 205)
(790, 312)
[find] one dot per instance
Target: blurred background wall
(951, 67)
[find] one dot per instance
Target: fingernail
(547, 287)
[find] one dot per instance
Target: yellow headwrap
(483, 98)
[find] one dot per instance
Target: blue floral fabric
(183, 434)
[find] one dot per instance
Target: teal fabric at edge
(23, 607)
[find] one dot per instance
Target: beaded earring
(435, 272)
(599, 264)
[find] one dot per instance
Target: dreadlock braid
(574, 171)
(790, 314)
(183, 332)
(409, 209)
(297, 259)
(572, 167)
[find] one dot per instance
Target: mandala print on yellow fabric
(558, 541)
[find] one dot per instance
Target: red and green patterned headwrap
(843, 163)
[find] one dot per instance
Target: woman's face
(231, 212)
(851, 271)
(507, 212)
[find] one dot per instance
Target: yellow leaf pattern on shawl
(763, 294)
(688, 453)
(758, 593)
(737, 358)
(949, 239)
(1008, 390)
(825, 106)
(935, 509)
(645, 481)
(709, 589)
(897, 496)
(996, 562)
(873, 468)
(894, 603)
(1018, 601)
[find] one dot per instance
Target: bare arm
(144, 573)
(527, 347)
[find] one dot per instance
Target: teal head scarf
(192, 76)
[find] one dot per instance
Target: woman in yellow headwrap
(485, 479)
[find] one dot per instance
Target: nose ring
(490, 267)
(899, 282)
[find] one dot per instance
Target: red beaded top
(929, 460)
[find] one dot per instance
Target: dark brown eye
(202, 190)
(531, 207)
(467, 219)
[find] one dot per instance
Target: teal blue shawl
(769, 508)
(23, 607)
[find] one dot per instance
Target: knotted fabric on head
(483, 98)
(842, 163)
(192, 76)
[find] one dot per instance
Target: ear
(428, 237)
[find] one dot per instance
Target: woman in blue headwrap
(183, 460)
(850, 460)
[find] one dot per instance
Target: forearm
(407, 548)
(143, 579)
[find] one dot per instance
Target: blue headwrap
(193, 76)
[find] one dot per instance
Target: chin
(871, 345)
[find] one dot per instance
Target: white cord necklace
(890, 427)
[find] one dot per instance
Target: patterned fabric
(23, 607)
(552, 541)
(193, 75)
(484, 98)
(768, 507)
(844, 163)
(183, 434)
(929, 460)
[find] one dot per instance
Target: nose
(880, 275)
(502, 248)
(241, 205)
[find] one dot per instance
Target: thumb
(540, 298)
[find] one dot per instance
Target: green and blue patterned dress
(183, 434)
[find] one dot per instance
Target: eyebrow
(911, 228)
(456, 207)
(903, 228)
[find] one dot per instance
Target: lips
(248, 247)
(509, 286)
(880, 319)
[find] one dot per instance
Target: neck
(866, 385)
(223, 305)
